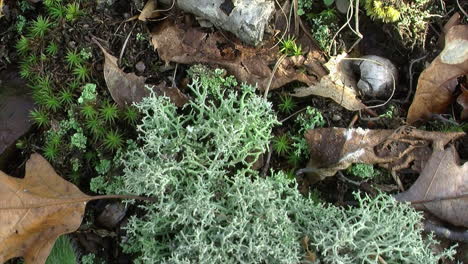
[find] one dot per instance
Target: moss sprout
(281, 144)
(40, 117)
(40, 27)
(109, 112)
(113, 140)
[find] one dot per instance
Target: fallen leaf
(437, 83)
(177, 43)
(127, 88)
(36, 210)
(442, 177)
(148, 11)
(1, 8)
(339, 85)
(334, 149)
(463, 101)
(15, 105)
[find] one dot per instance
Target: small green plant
(95, 126)
(20, 24)
(86, 53)
(89, 111)
(73, 59)
(140, 37)
(130, 114)
(73, 11)
(57, 12)
(109, 112)
(88, 259)
(89, 94)
(40, 26)
(289, 47)
(26, 71)
(363, 171)
(51, 102)
(78, 140)
(63, 252)
(40, 117)
(304, 6)
(287, 104)
(52, 49)
(385, 11)
(22, 46)
(81, 72)
(51, 152)
(281, 144)
(113, 140)
(66, 96)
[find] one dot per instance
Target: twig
(296, 17)
(462, 10)
(267, 162)
(353, 121)
(398, 181)
(287, 25)
(293, 114)
(445, 232)
(174, 76)
(346, 179)
(125, 43)
(411, 77)
(273, 74)
(381, 260)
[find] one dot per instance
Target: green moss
(63, 252)
(22, 46)
(40, 117)
(363, 171)
(113, 140)
(385, 11)
(40, 26)
(52, 49)
(289, 47)
(88, 111)
(81, 72)
(73, 59)
(287, 104)
(281, 144)
(109, 112)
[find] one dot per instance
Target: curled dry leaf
(36, 210)
(182, 44)
(437, 83)
(442, 177)
(339, 85)
(127, 88)
(148, 11)
(334, 149)
(463, 101)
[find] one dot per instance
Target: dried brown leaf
(338, 85)
(334, 149)
(179, 44)
(36, 210)
(463, 101)
(127, 88)
(442, 177)
(148, 11)
(437, 83)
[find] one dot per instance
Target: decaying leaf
(180, 44)
(34, 211)
(338, 85)
(127, 88)
(442, 177)
(1, 8)
(148, 11)
(463, 101)
(334, 149)
(437, 83)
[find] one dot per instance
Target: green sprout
(51, 152)
(52, 49)
(294, 159)
(25, 70)
(72, 11)
(289, 47)
(109, 112)
(22, 46)
(52, 102)
(88, 111)
(96, 127)
(113, 140)
(287, 104)
(363, 171)
(39, 117)
(130, 114)
(63, 252)
(281, 144)
(66, 97)
(57, 11)
(73, 59)
(40, 26)
(81, 72)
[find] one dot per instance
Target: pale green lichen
(211, 208)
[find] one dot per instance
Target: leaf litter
(36, 210)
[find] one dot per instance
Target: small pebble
(72, 44)
(336, 117)
(112, 215)
(140, 66)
